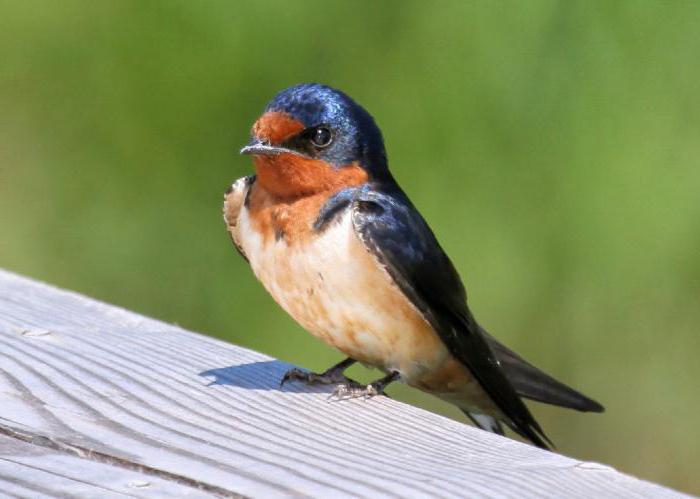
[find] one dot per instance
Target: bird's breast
(334, 288)
(331, 285)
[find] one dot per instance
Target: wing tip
(592, 406)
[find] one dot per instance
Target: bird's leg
(329, 376)
(353, 390)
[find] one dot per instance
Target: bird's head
(312, 138)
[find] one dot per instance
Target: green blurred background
(553, 146)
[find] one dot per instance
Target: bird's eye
(321, 137)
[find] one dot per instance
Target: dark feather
(393, 230)
(332, 208)
(537, 385)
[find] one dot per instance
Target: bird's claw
(346, 391)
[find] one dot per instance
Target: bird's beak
(257, 146)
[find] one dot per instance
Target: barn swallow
(340, 247)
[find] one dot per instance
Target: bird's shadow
(262, 375)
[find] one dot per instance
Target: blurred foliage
(553, 147)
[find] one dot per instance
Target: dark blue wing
(393, 230)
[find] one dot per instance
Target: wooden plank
(122, 390)
(30, 470)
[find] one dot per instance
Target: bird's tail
(537, 385)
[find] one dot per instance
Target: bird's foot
(326, 378)
(353, 390)
(330, 376)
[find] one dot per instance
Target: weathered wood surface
(30, 470)
(99, 401)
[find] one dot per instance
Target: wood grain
(132, 399)
(29, 470)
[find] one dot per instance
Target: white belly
(336, 290)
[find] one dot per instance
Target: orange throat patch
(290, 190)
(290, 176)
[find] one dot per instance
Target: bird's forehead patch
(276, 127)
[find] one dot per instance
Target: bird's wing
(235, 198)
(396, 234)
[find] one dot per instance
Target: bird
(334, 239)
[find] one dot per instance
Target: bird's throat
(288, 176)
